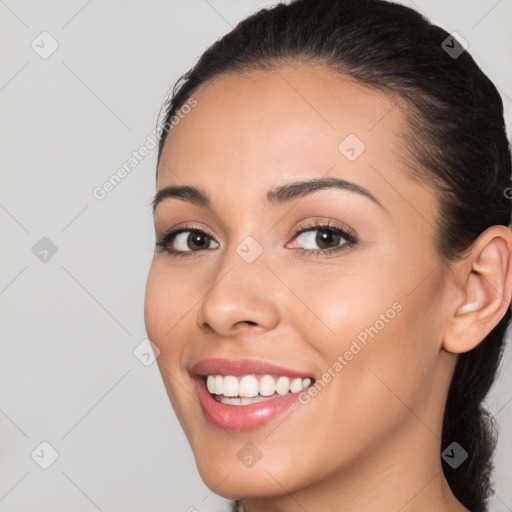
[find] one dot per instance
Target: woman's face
(266, 288)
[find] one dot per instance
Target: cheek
(348, 304)
(165, 308)
(389, 349)
(155, 305)
(375, 321)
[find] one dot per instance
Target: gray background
(70, 324)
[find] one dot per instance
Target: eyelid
(173, 232)
(186, 227)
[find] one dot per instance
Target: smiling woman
(332, 276)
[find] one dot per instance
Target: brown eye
(192, 241)
(320, 239)
(327, 239)
(185, 242)
(324, 239)
(197, 240)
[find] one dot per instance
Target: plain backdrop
(73, 267)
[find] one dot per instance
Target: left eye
(320, 239)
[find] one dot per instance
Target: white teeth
(230, 386)
(248, 386)
(296, 385)
(219, 385)
(267, 385)
(283, 385)
(210, 384)
(253, 387)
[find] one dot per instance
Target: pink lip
(241, 417)
(241, 367)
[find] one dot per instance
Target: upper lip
(240, 367)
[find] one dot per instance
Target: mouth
(244, 395)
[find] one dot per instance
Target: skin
(370, 439)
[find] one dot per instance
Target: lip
(242, 417)
(241, 367)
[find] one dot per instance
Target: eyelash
(165, 240)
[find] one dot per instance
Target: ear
(484, 279)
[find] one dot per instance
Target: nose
(240, 298)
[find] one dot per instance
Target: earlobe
(485, 279)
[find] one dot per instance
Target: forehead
(254, 130)
(289, 113)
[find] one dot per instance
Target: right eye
(185, 241)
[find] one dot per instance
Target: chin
(232, 482)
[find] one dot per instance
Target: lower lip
(242, 417)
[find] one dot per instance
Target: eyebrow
(278, 195)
